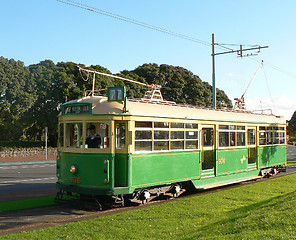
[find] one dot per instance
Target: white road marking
(28, 180)
(26, 166)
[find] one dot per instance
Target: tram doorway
(121, 156)
(208, 150)
(252, 149)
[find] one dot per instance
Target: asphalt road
(291, 153)
(27, 177)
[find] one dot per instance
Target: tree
(56, 84)
(291, 129)
(181, 85)
(17, 95)
(30, 97)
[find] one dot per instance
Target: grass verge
(291, 163)
(265, 210)
(27, 204)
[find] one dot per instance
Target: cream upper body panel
(100, 105)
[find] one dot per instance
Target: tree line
(31, 96)
(291, 128)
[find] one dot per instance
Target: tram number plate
(75, 180)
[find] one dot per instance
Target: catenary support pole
(46, 132)
(213, 73)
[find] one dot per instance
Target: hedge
(21, 144)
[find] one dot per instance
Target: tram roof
(138, 107)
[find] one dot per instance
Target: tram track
(31, 219)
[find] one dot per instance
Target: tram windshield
(84, 135)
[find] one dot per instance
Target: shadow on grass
(268, 215)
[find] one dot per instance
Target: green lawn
(291, 163)
(265, 210)
(27, 204)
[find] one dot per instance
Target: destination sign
(76, 109)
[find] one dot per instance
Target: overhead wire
(169, 32)
(271, 99)
(166, 31)
(268, 64)
(142, 24)
(149, 26)
(265, 76)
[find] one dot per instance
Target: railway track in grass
(31, 219)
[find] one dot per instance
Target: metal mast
(239, 53)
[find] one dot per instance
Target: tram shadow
(21, 191)
(268, 154)
(31, 219)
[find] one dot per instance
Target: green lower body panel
(164, 168)
(272, 156)
(231, 161)
(221, 180)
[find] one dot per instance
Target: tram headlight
(73, 169)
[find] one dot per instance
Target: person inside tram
(93, 140)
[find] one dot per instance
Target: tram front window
(86, 135)
(97, 135)
(74, 135)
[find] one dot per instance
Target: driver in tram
(93, 140)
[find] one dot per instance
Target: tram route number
(75, 180)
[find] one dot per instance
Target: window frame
(176, 136)
(237, 136)
(272, 135)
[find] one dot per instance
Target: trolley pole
(239, 53)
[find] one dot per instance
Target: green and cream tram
(149, 147)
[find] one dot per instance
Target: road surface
(18, 180)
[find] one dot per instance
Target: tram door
(251, 144)
(208, 149)
(121, 146)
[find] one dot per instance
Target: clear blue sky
(34, 30)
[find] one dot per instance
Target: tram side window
(61, 135)
(262, 138)
(163, 136)
(143, 140)
(120, 135)
(74, 135)
(177, 139)
(161, 125)
(241, 136)
(191, 139)
(232, 136)
(223, 139)
(143, 124)
(161, 140)
(223, 136)
(282, 138)
(191, 126)
(177, 125)
(271, 135)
